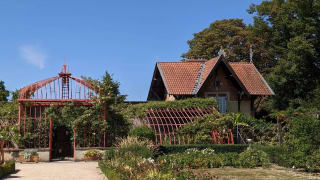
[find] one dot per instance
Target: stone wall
(10, 154)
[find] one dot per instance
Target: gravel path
(59, 170)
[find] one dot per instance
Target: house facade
(235, 85)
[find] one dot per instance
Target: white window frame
(216, 94)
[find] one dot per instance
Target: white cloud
(33, 55)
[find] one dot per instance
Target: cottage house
(235, 85)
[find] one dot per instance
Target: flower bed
(133, 158)
(207, 158)
(92, 155)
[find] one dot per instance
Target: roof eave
(265, 82)
(163, 78)
(212, 70)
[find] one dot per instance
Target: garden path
(58, 170)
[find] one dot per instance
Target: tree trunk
(2, 152)
(279, 132)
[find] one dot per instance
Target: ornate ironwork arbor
(58, 91)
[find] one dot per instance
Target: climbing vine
(139, 110)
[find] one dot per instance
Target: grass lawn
(274, 172)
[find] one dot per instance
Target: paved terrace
(59, 170)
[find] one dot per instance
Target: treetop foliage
(4, 94)
(286, 45)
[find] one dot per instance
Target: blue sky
(123, 37)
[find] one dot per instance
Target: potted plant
(92, 155)
(29, 155)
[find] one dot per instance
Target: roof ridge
(180, 61)
(240, 62)
(199, 78)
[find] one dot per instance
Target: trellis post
(50, 140)
(74, 143)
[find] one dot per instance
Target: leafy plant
(139, 110)
(130, 141)
(7, 168)
(136, 150)
(253, 158)
(94, 154)
(27, 153)
(313, 161)
(198, 131)
(142, 132)
(9, 133)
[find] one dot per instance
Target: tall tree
(292, 31)
(3, 92)
(232, 35)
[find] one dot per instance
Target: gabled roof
(187, 77)
(251, 79)
(180, 77)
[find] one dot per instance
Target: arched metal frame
(59, 90)
(165, 122)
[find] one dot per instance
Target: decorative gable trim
(199, 79)
(163, 78)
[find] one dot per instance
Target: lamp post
(249, 142)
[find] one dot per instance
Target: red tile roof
(180, 77)
(186, 77)
(251, 79)
(208, 67)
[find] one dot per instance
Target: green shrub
(109, 154)
(142, 132)
(139, 110)
(253, 158)
(129, 141)
(109, 172)
(276, 154)
(158, 175)
(7, 168)
(230, 159)
(302, 138)
(313, 162)
(136, 150)
(192, 158)
(93, 153)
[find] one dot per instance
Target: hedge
(139, 110)
(219, 148)
(7, 168)
(276, 153)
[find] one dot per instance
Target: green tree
(112, 103)
(292, 30)
(8, 134)
(3, 92)
(15, 95)
(235, 38)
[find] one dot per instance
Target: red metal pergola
(58, 91)
(165, 123)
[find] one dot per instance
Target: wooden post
(50, 140)
(19, 118)
(2, 151)
(74, 143)
(279, 131)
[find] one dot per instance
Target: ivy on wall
(139, 110)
